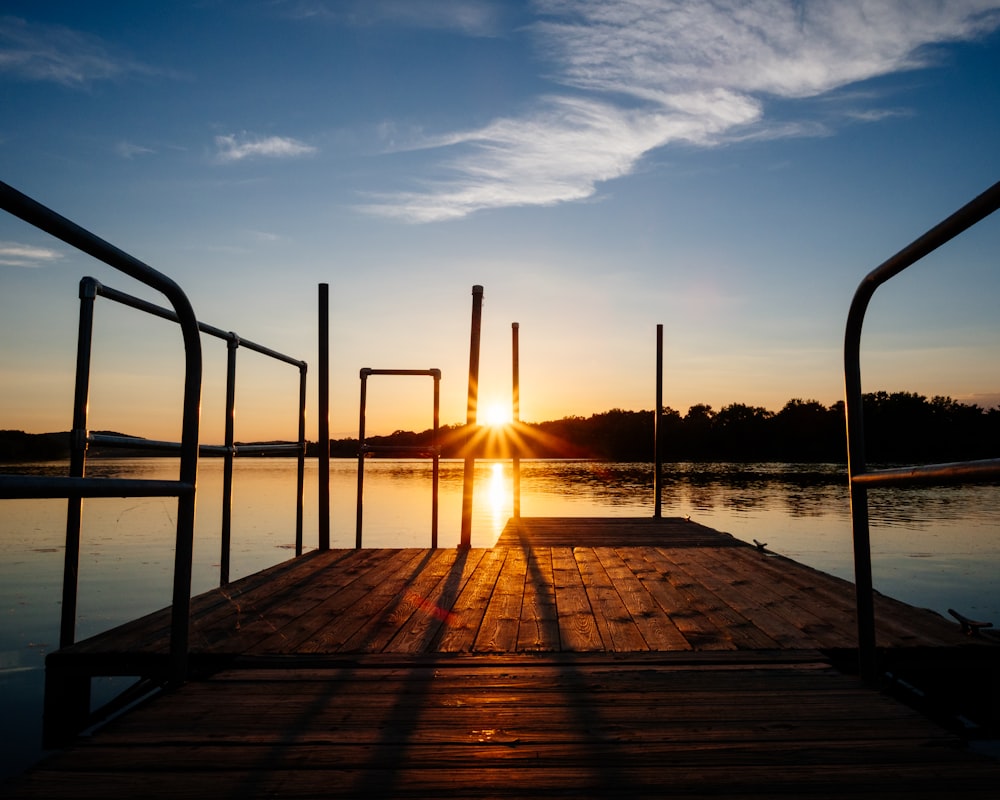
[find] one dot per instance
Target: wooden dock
(577, 658)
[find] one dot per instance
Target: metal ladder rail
(364, 449)
(859, 477)
(91, 288)
(45, 219)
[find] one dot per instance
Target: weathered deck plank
(538, 630)
(498, 631)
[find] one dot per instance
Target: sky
(730, 170)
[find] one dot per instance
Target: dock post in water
(232, 345)
(323, 490)
(359, 512)
(470, 417)
(657, 452)
(515, 410)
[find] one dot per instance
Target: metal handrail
(43, 218)
(364, 448)
(859, 477)
(91, 288)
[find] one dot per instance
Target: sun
(495, 415)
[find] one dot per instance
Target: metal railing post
(515, 408)
(657, 444)
(78, 462)
(435, 469)
(359, 512)
(324, 417)
(232, 345)
(300, 471)
(860, 530)
(471, 415)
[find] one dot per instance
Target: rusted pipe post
(515, 418)
(323, 490)
(657, 452)
(471, 415)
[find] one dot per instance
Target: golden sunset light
(496, 415)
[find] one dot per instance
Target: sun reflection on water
(499, 496)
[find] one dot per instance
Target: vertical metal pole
(436, 374)
(516, 418)
(856, 465)
(323, 491)
(863, 586)
(233, 343)
(361, 459)
(78, 462)
(301, 467)
(180, 613)
(657, 451)
(470, 417)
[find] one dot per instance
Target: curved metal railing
(859, 476)
(184, 488)
(90, 289)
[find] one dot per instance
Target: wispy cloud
(129, 150)
(518, 161)
(37, 52)
(648, 73)
(481, 18)
(237, 147)
(14, 254)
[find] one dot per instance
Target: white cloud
(652, 49)
(58, 54)
(14, 254)
(560, 153)
(238, 147)
(654, 73)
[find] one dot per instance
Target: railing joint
(89, 288)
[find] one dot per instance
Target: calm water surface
(933, 547)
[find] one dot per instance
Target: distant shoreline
(900, 427)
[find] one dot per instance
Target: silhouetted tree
(806, 430)
(742, 432)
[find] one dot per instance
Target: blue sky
(728, 169)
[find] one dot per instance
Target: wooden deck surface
(684, 587)
(578, 658)
(538, 727)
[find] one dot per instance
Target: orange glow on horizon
(510, 439)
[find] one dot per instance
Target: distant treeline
(900, 427)
(21, 446)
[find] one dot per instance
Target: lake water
(933, 547)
